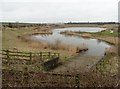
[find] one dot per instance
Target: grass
(107, 33)
(109, 64)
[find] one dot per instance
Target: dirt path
(81, 63)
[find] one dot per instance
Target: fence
(28, 57)
(20, 60)
(38, 79)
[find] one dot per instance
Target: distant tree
(10, 25)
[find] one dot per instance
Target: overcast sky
(53, 11)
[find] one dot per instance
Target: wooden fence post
(8, 58)
(59, 55)
(49, 54)
(30, 58)
(77, 81)
(7, 52)
(54, 54)
(40, 55)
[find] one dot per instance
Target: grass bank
(106, 35)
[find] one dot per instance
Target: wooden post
(30, 57)
(59, 55)
(77, 81)
(40, 55)
(8, 58)
(49, 55)
(54, 54)
(7, 52)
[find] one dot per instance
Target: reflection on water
(96, 47)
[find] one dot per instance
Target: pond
(96, 47)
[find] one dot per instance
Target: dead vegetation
(13, 78)
(112, 50)
(57, 45)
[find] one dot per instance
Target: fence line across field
(28, 56)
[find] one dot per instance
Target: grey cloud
(59, 10)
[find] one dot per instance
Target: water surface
(96, 47)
